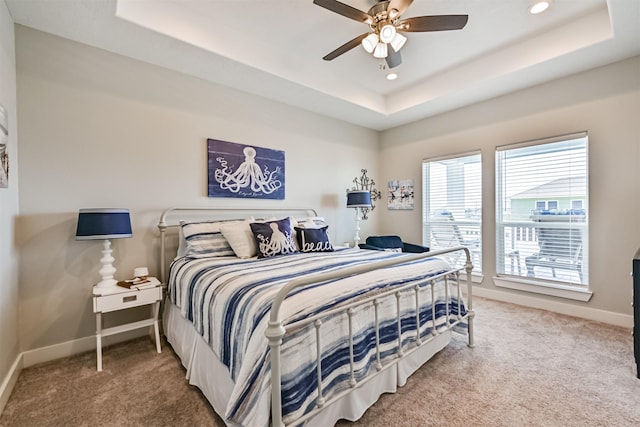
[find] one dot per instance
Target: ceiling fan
(386, 26)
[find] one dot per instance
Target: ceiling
(274, 48)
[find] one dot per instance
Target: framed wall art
(4, 155)
(244, 171)
(400, 194)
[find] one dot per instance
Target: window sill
(545, 288)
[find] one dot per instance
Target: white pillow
(240, 238)
(311, 222)
(182, 244)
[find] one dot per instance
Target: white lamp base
(107, 283)
(108, 289)
(356, 239)
(108, 270)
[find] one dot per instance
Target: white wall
(606, 103)
(9, 302)
(102, 130)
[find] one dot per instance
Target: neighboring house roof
(563, 187)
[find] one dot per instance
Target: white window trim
(540, 141)
(568, 291)
(577, 293)
(477, 277)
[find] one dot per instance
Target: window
(549, 205)
(549, 243)
(452, 206)
(577, 204)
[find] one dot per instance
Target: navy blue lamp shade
(358, 199)
(103, 224)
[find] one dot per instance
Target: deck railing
(519, 241)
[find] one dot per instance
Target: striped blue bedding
(228, 301)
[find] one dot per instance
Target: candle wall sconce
(364, 183)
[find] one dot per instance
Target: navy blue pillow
(273, 237)
(313, 239)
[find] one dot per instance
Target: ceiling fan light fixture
(385, 24)
(381, 50)
(387, 33)
(370, 42)
(398, 41)
(539, 6)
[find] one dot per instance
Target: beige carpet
(529, 368)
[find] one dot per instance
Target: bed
(304, 336)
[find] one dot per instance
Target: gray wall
(102, 130)
(9, 302)
(606, 103)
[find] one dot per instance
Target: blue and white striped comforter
(228, 301)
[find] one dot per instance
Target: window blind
(452, 205)
(541, 209)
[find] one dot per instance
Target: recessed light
(539, 6)
(392, 76)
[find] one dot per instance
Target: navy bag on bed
(389, 243)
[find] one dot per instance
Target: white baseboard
(77, 346)
(10, 381)
(58, 351)
(557, 307)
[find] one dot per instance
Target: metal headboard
(171, 218)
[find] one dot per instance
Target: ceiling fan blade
(393, 58)
(345, 47)
(433, 23)
(344, 10)
(398, 5)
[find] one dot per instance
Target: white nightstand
(119, 299)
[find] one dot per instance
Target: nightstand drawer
(119, 301)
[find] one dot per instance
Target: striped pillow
(204, 240)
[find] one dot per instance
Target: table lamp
(358, 199)
(104, 224)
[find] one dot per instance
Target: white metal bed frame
(278, 326)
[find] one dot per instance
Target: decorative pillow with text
(313, 239)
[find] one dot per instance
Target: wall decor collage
(4, 155)
(248, 171)
(400, 194)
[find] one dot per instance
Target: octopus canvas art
(245, 171)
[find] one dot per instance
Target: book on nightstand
(139, 283)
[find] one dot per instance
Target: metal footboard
(277, 326)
